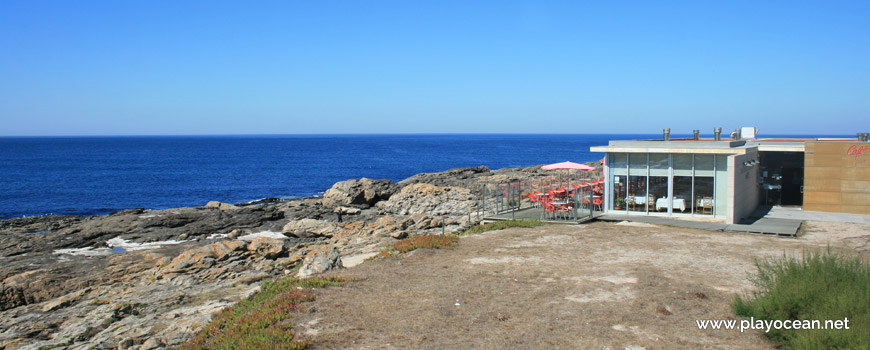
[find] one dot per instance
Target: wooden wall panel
(837, 177)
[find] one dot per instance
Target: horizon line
(384, 134)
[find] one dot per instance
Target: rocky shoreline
(149, 279)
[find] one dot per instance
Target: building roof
(710, 146)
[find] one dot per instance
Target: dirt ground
(593, 286)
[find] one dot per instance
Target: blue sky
(285, 67)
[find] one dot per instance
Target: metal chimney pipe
(696, 134)
(667, 134)
(717, 133)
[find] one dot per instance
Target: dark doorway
(782, 177)
(792, 186)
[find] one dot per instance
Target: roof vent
(717, 133)
(667, 134)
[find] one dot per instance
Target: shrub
(260, 321)
(501, 225)
(817, 286)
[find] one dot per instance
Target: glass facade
(675, 184)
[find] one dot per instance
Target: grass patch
(261, 321)
(501, 225)
(817, 286)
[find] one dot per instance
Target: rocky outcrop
(431, 200)
(159, 298)
(362, 193)
(204, 257)
(267, 247)
(221, 206)
(309, 228)
(320, 260)
(458, 177)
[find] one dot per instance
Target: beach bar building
(727, 178)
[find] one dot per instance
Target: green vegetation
(501, 225)
(262, 320)
(817, 286)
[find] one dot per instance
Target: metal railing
(523, 199)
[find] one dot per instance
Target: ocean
(100, 175)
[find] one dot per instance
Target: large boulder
(363, 193)
(267, 247)
(319, 260)
(309, 228)
(431, 200)
(205, 256)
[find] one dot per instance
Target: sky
(300, 67)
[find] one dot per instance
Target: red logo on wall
(857, 151)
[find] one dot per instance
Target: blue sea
(100, 175)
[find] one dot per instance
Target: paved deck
(766, 220)
(762, 225)
(795, 213)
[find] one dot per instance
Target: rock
(354, 260)
(320, 260)
(430, 200)
(347, 210)
(454, 177)
(126, 343)
(386, 226)
(267, 247)
(307, 228)
(151, 344)
(64, 301)
(236, 233)
(363, 192)
(221, 205)
(204, 257)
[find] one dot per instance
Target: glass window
(619, 187)
(658, 164)
(704, 195)
(637, 164)
(703, 165)
(658, 189)
(618, 162)
(683, 202)
(636, 199)
(682, 164)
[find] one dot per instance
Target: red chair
(548, 208)
(566, 210)
(597, 202)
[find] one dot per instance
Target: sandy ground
(593, 286)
